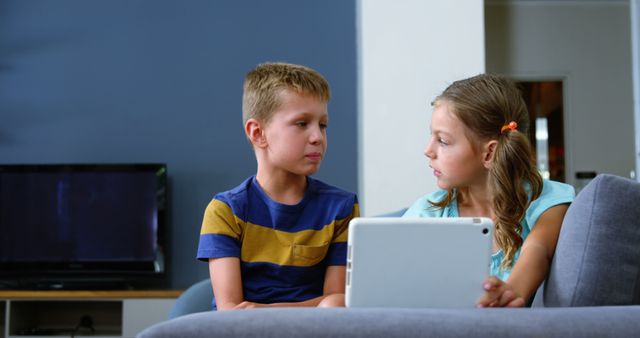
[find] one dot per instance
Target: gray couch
(593, 290)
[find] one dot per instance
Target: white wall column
(409, 51)
(635, 63)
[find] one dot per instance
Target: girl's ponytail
(513, 164)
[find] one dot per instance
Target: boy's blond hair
(263, 85)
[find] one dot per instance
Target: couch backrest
(597, 259)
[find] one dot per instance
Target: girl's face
(456, 160)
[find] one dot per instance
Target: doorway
(545, 103)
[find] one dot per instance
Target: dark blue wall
(161, 81)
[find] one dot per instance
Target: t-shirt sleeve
(423, 207)
(416, 209)
(337, 254)
(220, 233)
(553, 193)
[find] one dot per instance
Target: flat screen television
(82, 226)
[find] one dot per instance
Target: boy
(279, 238)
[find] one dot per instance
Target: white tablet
(417, 262)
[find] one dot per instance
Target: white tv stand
(111, 314)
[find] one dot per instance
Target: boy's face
(296, 135)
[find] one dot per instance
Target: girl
(484, 165)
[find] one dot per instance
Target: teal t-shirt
(553, 193)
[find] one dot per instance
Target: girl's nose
(428, 151)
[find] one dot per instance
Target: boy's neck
(284, 188)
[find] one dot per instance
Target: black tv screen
(81, 226)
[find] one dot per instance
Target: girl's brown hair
(485, 103)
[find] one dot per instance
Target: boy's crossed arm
(226, 281)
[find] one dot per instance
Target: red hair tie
(510, 126)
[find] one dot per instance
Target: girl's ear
(488, 153)
(255, 133)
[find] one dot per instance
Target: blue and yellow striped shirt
(284, 250)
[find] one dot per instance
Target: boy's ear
(488, 153)
(255, 133)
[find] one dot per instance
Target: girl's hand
(499, 294)
(248, 305)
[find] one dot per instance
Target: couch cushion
(597, 259)
(598, 321)
(197, 298)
